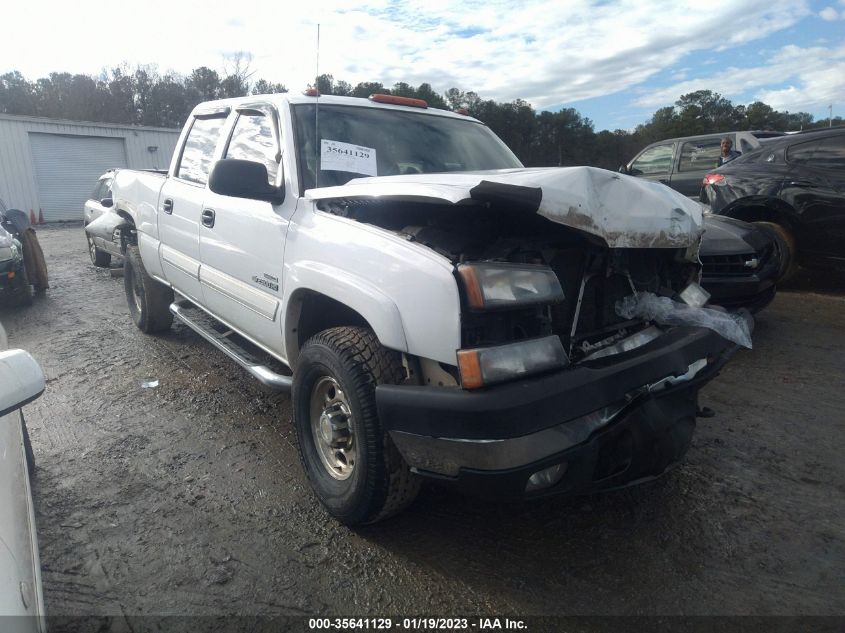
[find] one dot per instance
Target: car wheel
(99, 258)
(353, 466)
(21, 292)
(786, 249)
(149, 300)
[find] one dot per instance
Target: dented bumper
(607, 423)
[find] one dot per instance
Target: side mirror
(21, 380)
(107, 202)
(243, 179)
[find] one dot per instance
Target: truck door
(180, 205)
(242, 242)
(696, 159)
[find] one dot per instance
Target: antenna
(317, 115)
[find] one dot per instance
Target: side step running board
(203, 324)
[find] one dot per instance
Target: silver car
(98, 204)
(21, 381)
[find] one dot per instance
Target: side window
(699, 155)
(744, 146)
(656, 160)
(98, 188)
(253, 139)
(827, 153)
(198, 152)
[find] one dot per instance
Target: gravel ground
(189, 498)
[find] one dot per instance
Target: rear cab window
(198, 151)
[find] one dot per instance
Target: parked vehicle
(99, 202)
(682, 162)
(793, 187)
(21, 381)
(436, 309)
(22, 265)
(741, 263)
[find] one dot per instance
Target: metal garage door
(67, 168)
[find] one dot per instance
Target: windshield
(359, 141)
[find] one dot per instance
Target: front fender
(105, 226)
(379, 310)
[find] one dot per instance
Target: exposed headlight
(492, 285)
(489, 365)
(7, 252)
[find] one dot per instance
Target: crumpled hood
(624, 211)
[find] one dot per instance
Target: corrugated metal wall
(18, 185)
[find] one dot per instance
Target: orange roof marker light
(394, 100)
(311, 92)
(463, 111)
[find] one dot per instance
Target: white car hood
(625, 212)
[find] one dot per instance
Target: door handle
(208, 218)
(167, 206)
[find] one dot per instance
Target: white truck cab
(437, 309)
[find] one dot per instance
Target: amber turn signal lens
(475, 296)
(469, 364)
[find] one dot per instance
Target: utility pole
(830, 115)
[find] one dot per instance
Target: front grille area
(729, 265)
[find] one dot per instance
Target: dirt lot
(189, 498)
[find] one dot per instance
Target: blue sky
(616, 61)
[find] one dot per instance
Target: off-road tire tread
(393, 486)
(155, 315)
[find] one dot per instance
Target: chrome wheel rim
(332, 428)
(92, 249)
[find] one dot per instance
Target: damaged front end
(572, 380)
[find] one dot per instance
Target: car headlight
(489, 365)
(492, 285)
(7, 252)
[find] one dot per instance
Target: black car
(793, 187)
(740, 263)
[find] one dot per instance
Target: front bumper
(14, 267)
(612, 421)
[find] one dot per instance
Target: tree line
(143, 96)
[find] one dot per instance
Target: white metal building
(51, 165)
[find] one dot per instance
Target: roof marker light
(394, 100)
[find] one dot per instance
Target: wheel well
(763, 211)
(311, 312)
(128, 232)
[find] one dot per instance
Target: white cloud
(545, 51)
(815, 77)
(829, 13)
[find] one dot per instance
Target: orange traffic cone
(41, 216)
(32, 217)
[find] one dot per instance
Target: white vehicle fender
(379, 310)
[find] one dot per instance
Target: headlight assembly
(495, 285)
(7, 252)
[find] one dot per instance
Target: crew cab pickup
(436, 309)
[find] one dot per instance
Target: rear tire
(99, 258)
(785, 243)
(353, 466)
(149, 300)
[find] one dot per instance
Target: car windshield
(360, 141)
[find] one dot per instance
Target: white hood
(625, 212)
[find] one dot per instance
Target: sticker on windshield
(337, 156)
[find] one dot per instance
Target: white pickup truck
(436, 309)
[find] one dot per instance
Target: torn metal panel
(623, 211)
(105, 225)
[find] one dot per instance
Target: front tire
(353, 466)
(99, 258)
(785, 242)
(149, 300)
